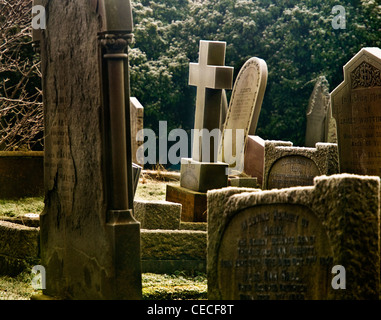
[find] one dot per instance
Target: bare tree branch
(21, 111)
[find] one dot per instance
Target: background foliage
(295, 38)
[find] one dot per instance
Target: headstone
(137, 114)
(318, 114)
(356, 108)
(310, 243)
(243, 113)
(90, 242)
(210, 76)
(254, 164)
(298, 166)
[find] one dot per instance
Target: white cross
(210, 76)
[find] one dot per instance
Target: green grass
(150, 190)
(177, 286)
(17, 288)
(15, 208)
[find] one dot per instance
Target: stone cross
(210, 76)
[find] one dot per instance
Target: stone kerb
(167, 243)
(344, 207)
(19, 247)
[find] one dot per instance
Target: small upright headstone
(356, 108)
(318, 114)
(306, 243)
(287, 166)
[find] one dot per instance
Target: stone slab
(166, 251)
(157, 214)
(19, 246)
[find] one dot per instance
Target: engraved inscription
(59, 164)
(275, 252)
(292, 171)
(359, 131)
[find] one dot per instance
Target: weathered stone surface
(89, 247)
(193, 203)
(297, 166)
(203, 176)
(243, 113)
(173, 244)
(243, 182)
(210, 75)
(356, 108)
(21, 174)
(28, 220)
(166, 251)
(318, 114)
(283, 244)
(19, 246)
(157, 214)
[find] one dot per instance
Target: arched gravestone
(288, 166)
(284, 244)
(291, 171)
(283, 252)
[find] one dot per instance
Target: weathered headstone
(318, 114)
(287, 166)
(243, 113)
(255, 156)
(290, 243)
(90, 242)
(210, 76)
(356, 108)
(203, 172)
(137, 114)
